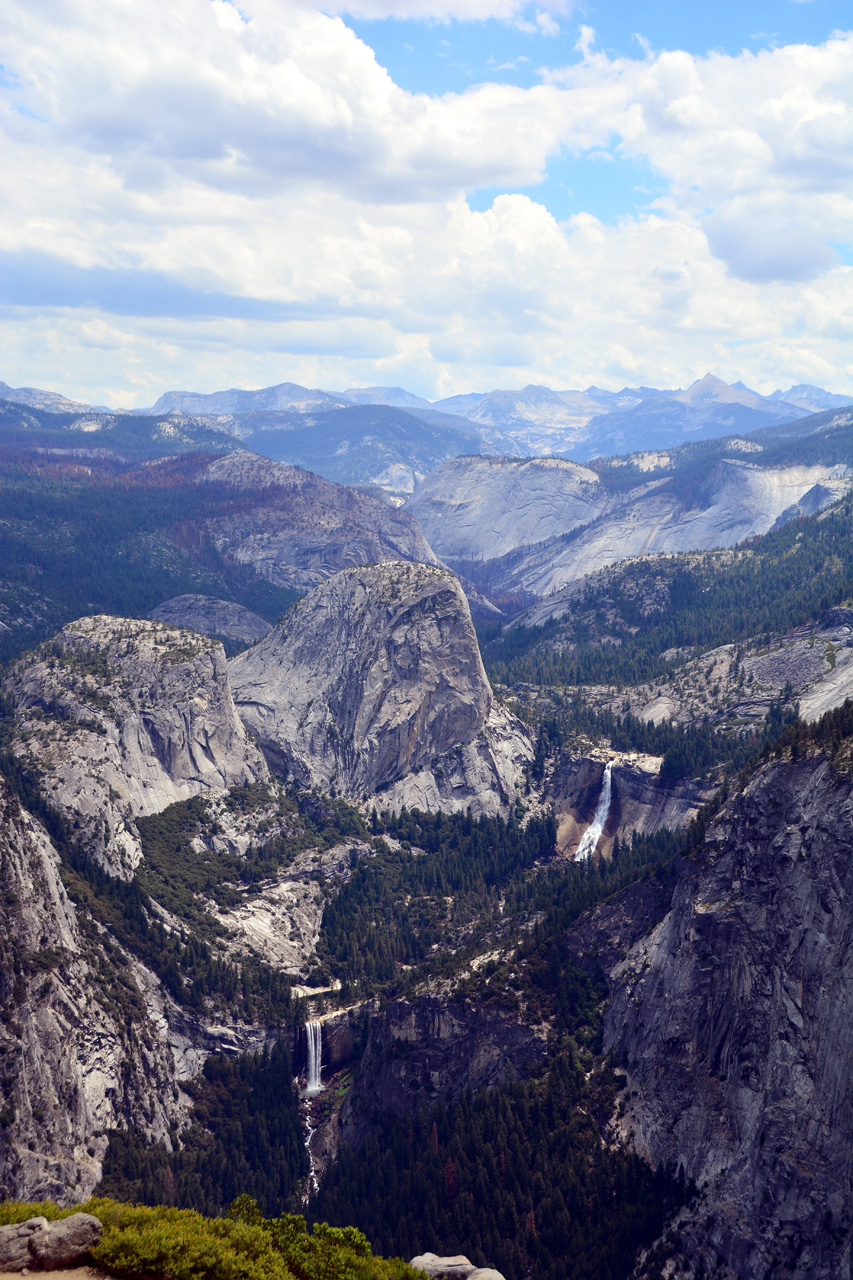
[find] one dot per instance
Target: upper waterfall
(592, 835)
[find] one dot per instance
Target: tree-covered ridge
(817, 438)
(785, 579)
(113, 538)
(687, 750)
(93, 433)
(403, 903)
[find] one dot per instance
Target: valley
(277, 750)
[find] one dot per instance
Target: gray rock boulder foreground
(211, 617)
(454, 1268)
(376, 677)
(39, 1243)
(457, 1267)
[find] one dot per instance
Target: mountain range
(390, 438)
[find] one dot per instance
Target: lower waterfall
(592, 835)
(314, 1036)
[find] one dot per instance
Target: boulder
(40, 1243)
(455, 1268)
(15, 1243)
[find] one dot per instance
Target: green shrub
(180, 1244)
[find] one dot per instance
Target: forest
(111, 539)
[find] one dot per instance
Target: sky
(445, 195)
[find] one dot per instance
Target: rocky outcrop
(280, 924)
(216, 618)
(538, 525)
(374, 681)
(89, 1039)
(39, 1243)
(457, 1267)
(483, 775)
(734, 1019)
(122, 718)
(296, 529)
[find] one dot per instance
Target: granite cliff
(121, 718)
(734, 1019)
(89, 1041)
(537, 525)
(374, 683)
(642, 802)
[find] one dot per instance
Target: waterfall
(591, 836)
(314, 1036)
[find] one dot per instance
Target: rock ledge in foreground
(39, 1243)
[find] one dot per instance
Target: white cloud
(263, 183)
(514, 12)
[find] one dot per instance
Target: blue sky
(476, 193)
(450, 56)
(437, 56)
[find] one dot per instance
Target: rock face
(483, 508)
(281, 923)
(89, 1040)
(734, 1019)
(69, 1068)
(483, 775)
(296, 529)
(40, 1243)
(125, 717)
(373, 678)
(510, 519)
(220, 618)
(641, 800)
(427, 1048)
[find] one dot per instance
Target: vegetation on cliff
(517, 1178)
(246, 1138)
(111, 538)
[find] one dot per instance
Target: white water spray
(313, 1185)
(314, 1036)
(592, 835)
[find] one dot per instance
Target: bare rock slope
(220, 618)
(297, 529)
(124, 717)
(538, 525)
(374, 680)
(72, 1069)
